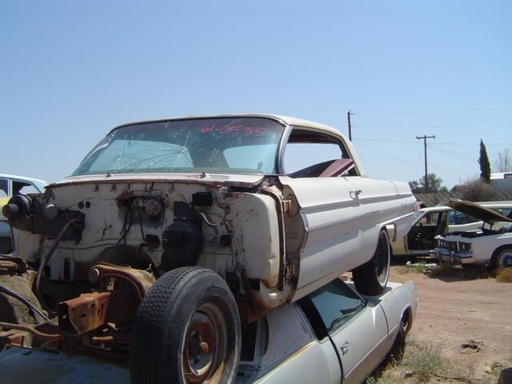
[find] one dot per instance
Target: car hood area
(478, 212)
(244, 180)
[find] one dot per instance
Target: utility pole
(349, 125)
(425, 137)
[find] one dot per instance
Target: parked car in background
(206, 223)
(490, 245)
(332, 335)
(431, 222)
(11, 185)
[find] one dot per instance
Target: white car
(193, 227)
(332, 335)
(431, 222)
(11, 185)
(10, 243)
(489, 245)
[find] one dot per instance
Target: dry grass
(424, 363)
(458, 272)
(504, 275)
(444, 270)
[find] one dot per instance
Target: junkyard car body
(12, 242)
(275, 206)
(290, 231)
(330, 336)
(491, 244)
(431, 222)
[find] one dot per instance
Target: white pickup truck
(172, 234)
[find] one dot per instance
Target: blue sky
(72, 70)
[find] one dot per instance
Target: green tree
(485, 165)
(434, 184)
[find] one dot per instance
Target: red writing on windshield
(233, 129)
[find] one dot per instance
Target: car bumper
(455, 257)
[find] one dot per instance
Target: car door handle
(354, 194)
(344, 347)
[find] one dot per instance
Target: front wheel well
(493, 263)
(407, 319)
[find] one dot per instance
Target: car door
(357, 329)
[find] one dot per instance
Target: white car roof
(486, 204)
(288, 120)
(437, 208)
(37, 182)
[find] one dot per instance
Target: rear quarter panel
(342, 218)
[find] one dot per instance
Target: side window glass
(4, 188)
(451, 219)
(19, 187)
(260, 158)
(432, 218)
(335, 304)
(6, 243)
(506, 212)
(303, 155)
(287, 333)
(308, 153)
(458, 218)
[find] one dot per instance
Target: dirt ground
(469, 315)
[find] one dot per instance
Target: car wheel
(396, 352)
(371, 277)
(186, 330)
(504, 258)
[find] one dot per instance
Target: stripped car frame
(192, 228)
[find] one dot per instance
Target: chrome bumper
(454, 257)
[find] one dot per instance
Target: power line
(434, 111)
(384, 154)
(506, 124)
(413, 142)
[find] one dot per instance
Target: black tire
(396, 353)
(186, 330)
(371, 277)
(503, 258)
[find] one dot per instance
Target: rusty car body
(355, 334)
(193, 227)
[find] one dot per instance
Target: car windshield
(219, 145)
